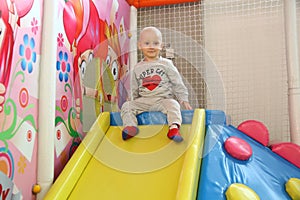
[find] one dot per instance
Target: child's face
(150, 44)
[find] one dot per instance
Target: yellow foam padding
(66, 181)
(148, 166)
(238, 191)
(188, 183)
(292, 187)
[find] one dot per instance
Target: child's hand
(186, 105)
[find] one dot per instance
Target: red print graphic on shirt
(151, 82)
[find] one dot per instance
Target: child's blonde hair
(152, 29)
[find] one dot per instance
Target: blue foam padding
(151, 118)
(215, 117)
(265, 172)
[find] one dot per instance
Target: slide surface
(148, 166)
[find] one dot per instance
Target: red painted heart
(151, 82)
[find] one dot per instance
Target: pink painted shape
(289, 151)
(238, 148)
(256, 130)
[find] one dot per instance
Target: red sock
(174, 134)
(129, 132)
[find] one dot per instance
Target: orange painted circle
(23, 97)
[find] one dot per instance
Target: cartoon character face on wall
(84, 59)
(112, 72)
(91, 37)
(110, 76)
(84, 31)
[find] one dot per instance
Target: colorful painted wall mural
(87, 31)
(20, 36)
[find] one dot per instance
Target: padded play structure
(236, 163)
(236, 166)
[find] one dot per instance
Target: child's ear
(161, 46)
(139, 45)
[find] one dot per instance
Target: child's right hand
(186, 105)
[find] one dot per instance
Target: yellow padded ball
(238, 191)
(292, 187)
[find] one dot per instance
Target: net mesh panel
(172, 21)
(238, 43)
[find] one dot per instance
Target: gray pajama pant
(170, 107)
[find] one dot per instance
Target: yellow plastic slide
(148, 166)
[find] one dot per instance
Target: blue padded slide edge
(150, 118)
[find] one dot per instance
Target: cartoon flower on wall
(63, 66)
(26, 51)
(34, 24)
(21, 165)
(60, 40)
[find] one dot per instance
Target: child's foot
(129, 132)
(174, 134)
